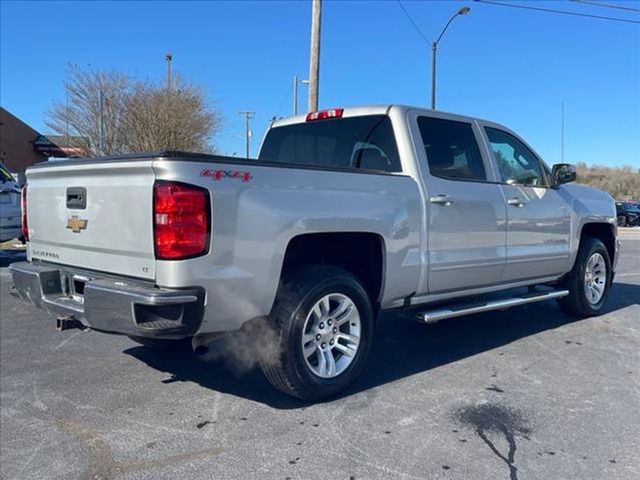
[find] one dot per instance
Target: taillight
(181, 220)
(23, 206)
(324, 114)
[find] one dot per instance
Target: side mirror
(563, 173)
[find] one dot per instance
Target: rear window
(365, 142)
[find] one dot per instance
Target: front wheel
(589, 281)
(622, 221)
(324, 326)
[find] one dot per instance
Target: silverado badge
(76, 224)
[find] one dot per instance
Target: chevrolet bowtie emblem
(76, 224)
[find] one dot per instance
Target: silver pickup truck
(345, 213)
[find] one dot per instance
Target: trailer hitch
(69, 322)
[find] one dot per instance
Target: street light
(296, 82)
(434, 51)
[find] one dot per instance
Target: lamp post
(167, 58)
(434, 51)
(297, 82)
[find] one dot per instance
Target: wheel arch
(605, 232)
(361, 253)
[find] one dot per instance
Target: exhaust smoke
(241, 351)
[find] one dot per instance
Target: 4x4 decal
(220, 174)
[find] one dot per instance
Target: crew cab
(345, 213)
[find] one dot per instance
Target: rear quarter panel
(258, 210)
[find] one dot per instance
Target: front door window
(516, 163)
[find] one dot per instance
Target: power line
(413, 23)
(562, 12)
(606, 5)
(284, 100)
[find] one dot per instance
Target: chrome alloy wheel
(595, 278)
(331, 335)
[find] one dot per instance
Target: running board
(432, 316)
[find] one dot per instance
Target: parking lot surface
(526, 393)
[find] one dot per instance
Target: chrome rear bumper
(109, 304)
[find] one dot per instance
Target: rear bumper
(109, 304)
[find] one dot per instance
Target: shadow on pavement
(401, 348)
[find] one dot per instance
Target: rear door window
(365, 142)
(451, 148)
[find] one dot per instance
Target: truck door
(539, 221)
(466, 228)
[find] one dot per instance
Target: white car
(10, 216)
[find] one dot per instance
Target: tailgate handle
(77, 198)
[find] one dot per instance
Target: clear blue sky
(508, 65)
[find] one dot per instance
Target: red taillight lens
(23, 205)
(324, 114)
(181, 220)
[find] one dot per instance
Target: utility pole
(314, 57)
(295, 95)
(168, 57)
(66, 89)
(562, 136)
(101, 144)
(434, 52)
(247, 132)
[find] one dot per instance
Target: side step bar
(433, 316)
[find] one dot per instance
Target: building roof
(61, 145)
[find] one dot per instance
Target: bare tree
(80, 115)
(138, 116)
(158, 118)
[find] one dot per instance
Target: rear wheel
(589, 281)
(324, 325)
(162, 343)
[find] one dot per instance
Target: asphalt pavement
(526, 393)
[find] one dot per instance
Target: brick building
(21, 145)
(16, 143)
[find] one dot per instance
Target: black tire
(622, 221)
(297, 295)
(162, 343)
(577, 303)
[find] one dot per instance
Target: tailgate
(94, 215)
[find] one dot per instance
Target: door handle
(441, 199)
(77, 198)
(516, 202)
